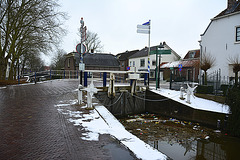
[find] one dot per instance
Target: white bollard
(181, 93)
(188, 97)
(89, 100)
(111, 88)
(80, 87)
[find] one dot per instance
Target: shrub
(233, 100)
(224, 88)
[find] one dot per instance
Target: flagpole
(149, 52)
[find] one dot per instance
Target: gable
(234, 8)
(192, 54)
(230, 11)
(124, 56)
(144, 52)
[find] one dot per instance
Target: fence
(67, 74)
(213, 79)
(216, 80)
(52, 74)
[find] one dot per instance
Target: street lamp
(161, 45)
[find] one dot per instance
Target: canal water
(182, 140)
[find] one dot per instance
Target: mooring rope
(115, 101)
(153, 100)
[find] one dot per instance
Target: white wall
(219, 41)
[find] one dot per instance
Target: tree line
(28, 28)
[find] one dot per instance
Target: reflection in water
(223, 148)
(210, 150)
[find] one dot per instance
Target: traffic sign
(128, 68)
(81, 48)
(180, 67)
(166, 51)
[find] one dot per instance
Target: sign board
(81, 48)
(143, 31)
(128, 68)
(81, 66)
(143, 26)
(167, 51)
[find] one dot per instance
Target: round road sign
(81, 48)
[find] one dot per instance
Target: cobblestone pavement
(32, 128)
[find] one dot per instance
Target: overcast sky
(177, 22)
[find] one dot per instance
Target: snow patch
(101, 121)
(196, 103)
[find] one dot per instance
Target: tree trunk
(236, 78)
(205, 77)
(11, 72)
(10, 77)
(3, 68)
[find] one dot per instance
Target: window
(133, 63)
(123, 64)
(192, 54)
(152, 74)
(153, 63)
(130, 63)
(69, 60)
(142, 62)
(238, 34)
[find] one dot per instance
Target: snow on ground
(101, 121)
(196, 103)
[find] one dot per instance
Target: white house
(140, 59)
(221, 39)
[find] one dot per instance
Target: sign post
(158, 55)
(81, 48)
(145, 29)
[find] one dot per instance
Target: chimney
(231, 3)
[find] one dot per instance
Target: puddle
(180, 139)
(118, 152)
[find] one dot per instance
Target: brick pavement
(32, 128)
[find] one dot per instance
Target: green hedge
(233, 100)
(224, 88)
(205, 89)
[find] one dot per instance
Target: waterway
(182, 140)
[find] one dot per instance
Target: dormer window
(192, 54)
(238, 34)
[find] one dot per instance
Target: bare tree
(93, 42)
(58, 60)
(27, 25)
(235, 62)
(207, 62)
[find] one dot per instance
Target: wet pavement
(32, 128)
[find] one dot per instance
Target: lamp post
(159, 63)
